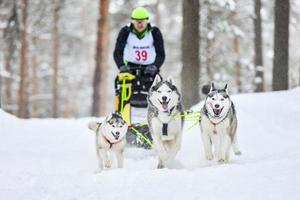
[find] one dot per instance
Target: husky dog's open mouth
(164, 104)
(217, 111)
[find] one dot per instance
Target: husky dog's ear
(225, 88)
(109, 117)
(117, 114)
(171, 80)
(212, 87)
(205, 89)
(157, 80)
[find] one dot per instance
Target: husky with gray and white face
(110, 137)
(164, 102)
(219, 125)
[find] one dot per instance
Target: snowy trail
(56, 159)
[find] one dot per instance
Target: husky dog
(110, 136)
(218, 125)
(164, 102)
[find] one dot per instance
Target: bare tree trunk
(236, 44)
(258, 56)
(55, 57)
(156, 13)
(209, 43)
(11, 38)
(34, 84)
(8, 80)
(281, 45)
(236, 49)
(100, 85)
(190, 52)
(23, 99)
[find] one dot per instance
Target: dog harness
(109, 142)
(165, 125)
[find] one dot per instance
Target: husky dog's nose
(164, 98)
(117, 133)
(217, 105)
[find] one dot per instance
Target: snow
(55, 159)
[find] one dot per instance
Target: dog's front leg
(100, 161)
(159, 146)
(226, 149)
(174, 148)
(216, 141)
(235, 146)
(162, 154)
(104, 155)
(120, 158)
(224, 145)
(207, 144)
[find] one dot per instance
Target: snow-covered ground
(55, 159)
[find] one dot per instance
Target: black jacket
(122, 39)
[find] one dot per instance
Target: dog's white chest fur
(216, 128)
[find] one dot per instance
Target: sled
(131, 101)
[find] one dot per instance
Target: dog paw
(107, 164)
(221, 161)
(160, 167)
(209, 157)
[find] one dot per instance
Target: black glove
(124, 68)
(151, 69)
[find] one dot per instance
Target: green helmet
(140, 13)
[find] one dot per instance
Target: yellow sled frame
(125, 96)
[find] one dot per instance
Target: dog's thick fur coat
(110, 137)
(219, 125)
(164, 101)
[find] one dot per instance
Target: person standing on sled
(140, 51)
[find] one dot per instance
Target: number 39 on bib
(141, 55)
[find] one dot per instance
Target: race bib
(140, 51)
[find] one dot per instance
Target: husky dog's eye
(222, 99)
(213, 98)
(169, 91)
(159, 91)
(113, 125)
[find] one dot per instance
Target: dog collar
(109, 142)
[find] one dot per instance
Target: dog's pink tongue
(165, 106)
(217, 111)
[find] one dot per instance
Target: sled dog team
(218, 126)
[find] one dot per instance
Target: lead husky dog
(164, 101)
(110, 137)
(218, 125)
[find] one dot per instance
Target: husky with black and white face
(219, 125)
(110, 137)
(164, 102)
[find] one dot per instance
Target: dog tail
(93, 125)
